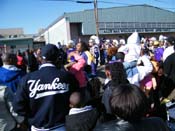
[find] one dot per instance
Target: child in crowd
(148, 84)
(76, 104)
(80, 118)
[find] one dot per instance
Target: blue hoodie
(10, 76)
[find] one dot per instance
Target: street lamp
(95, 13)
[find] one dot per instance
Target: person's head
(91, 42)
(112, 51)
(156, 44)
(38, 51)
(120, 56)
(94, 87)
(144, 51)
(18, 53)
(134, 38)
(160, 71)
(9, 59)
(117, 72)
(82, 46)
(70, 44)
(151, 41)
(107, 71)
(115, 43)
(128, 102)
(171, 40)
(49, 53)
(75, 100)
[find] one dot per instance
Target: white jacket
(136, 74)
(168, 51)
(133, 47)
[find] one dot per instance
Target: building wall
(59, 32)
(113, 22)
(126, 19)
(75, 31)
(14, 45)
(11, 32)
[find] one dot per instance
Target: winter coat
(84, 121)
(146, 124)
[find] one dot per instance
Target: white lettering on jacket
(39, 90)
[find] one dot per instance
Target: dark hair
(120, 56)
(18, 52)
(9, 58)
(94, 87)
(145, 51)
(118, 73)
(128, 102)
(84, 46)
(107, 67)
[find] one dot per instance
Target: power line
(160, 1)
(164, 2)
(61, 0)
(107, 2)
(90, 1)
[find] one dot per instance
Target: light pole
(95, 13)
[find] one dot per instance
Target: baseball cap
(171, 40)
(49, 52)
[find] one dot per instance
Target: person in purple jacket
(158, 51)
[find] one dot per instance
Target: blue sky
(32, 15)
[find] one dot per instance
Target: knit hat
(49, 52)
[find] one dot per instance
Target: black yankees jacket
(43, 96)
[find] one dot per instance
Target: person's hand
(71, 54)
(69, 65)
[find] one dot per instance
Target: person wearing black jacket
(169, 71)
(81, 117)
(129, 105)
(43, 95)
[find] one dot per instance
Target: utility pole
(96, 17)
(95, 13)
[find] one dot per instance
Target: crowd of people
(57, 88)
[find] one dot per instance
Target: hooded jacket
(10, 76)
(133, 47)
(9, 80)
(136, 74)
